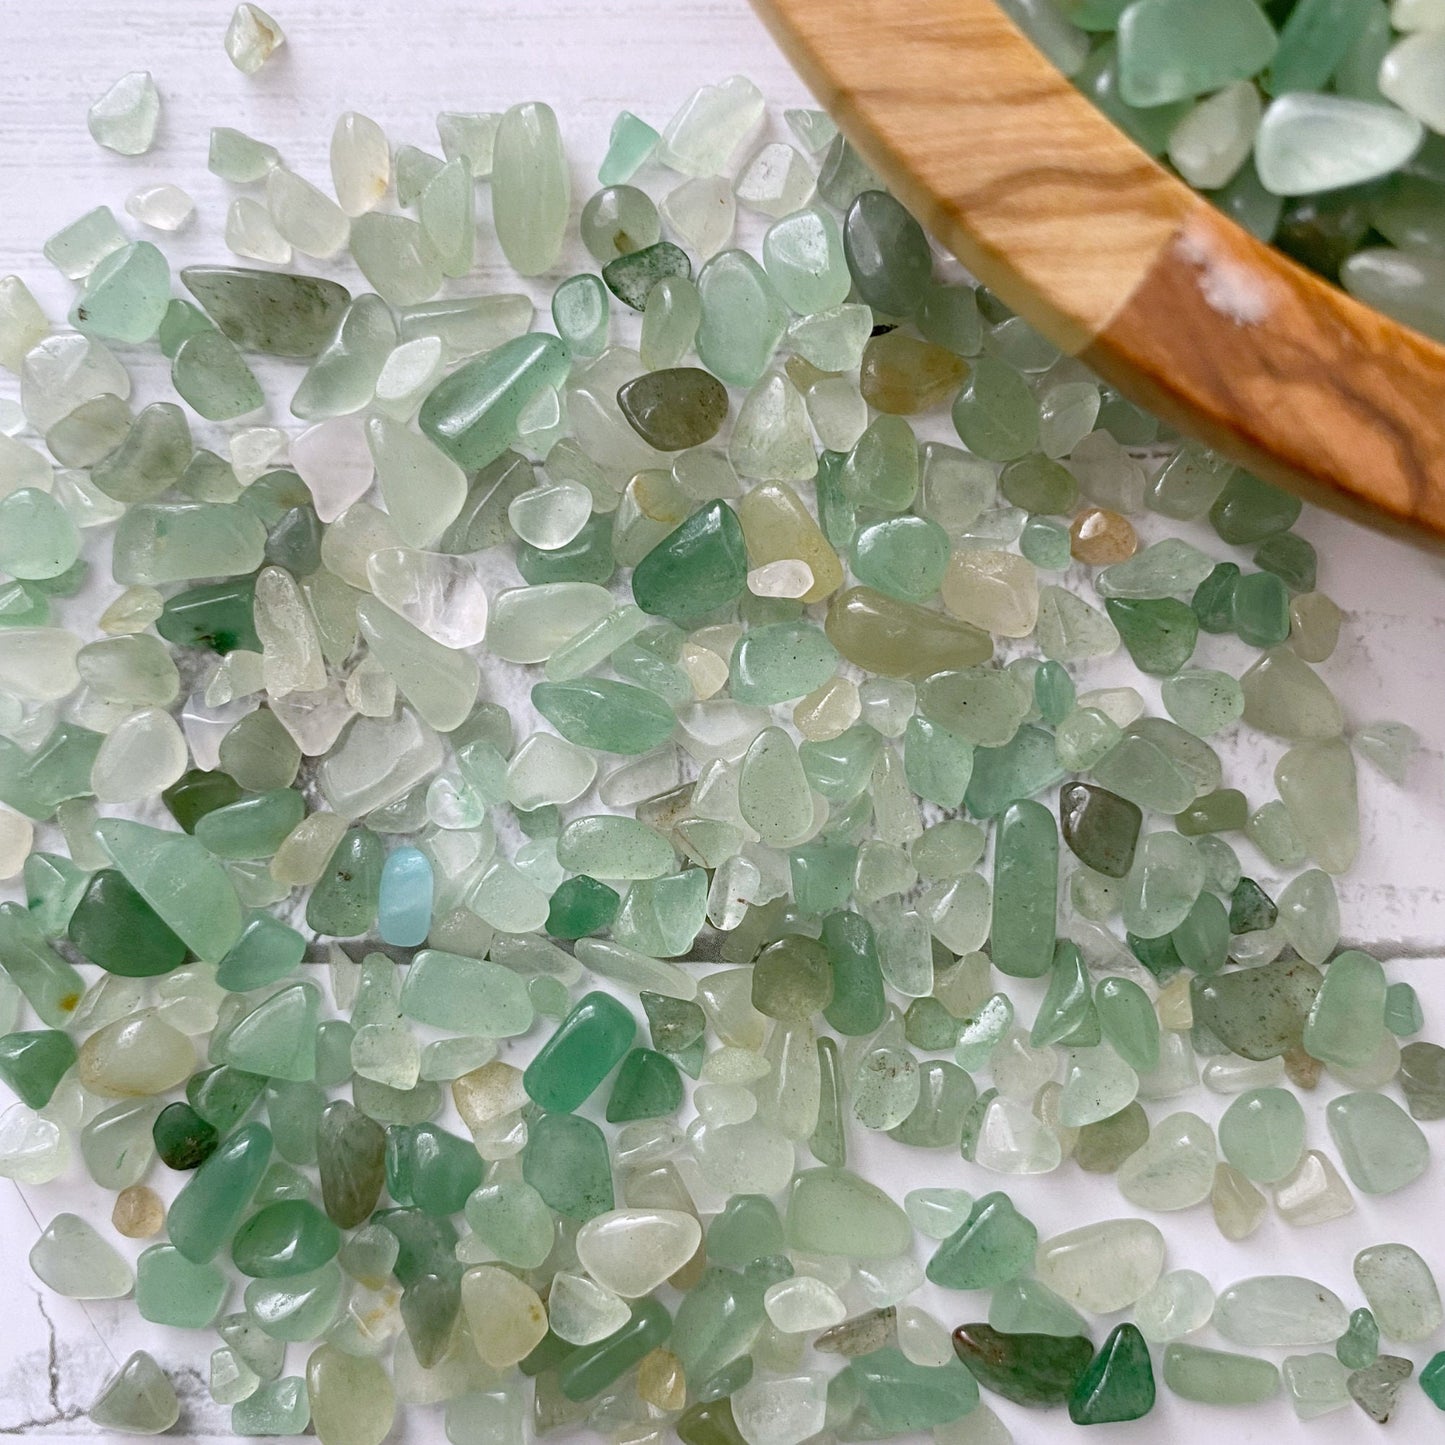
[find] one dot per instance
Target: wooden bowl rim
(1223, 335)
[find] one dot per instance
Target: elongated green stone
(1347, 1018)
(1118, 1383)
(252, 827)
(1401, 1290)
(439, 682)
(1025, 890)
(343, 903)
(181, 881)
(567, 1163)
(1317, 784)
(695, 569)
(1213, 600)
(589, 1369)
(448, 990)
(531, 188)
(1260, 608)
(217, 616)
(607, 716)
(349, 1150)
(270, 311)
(1402, 1006)
(743, 318)
(857, 1005)
(804, 256)
(1129, 1022)
(472, 414)
(115, 927)
(717, 1321)
(1028, 1369)
(937, 762)
(586, 1046)
(882, 469)
(1218, 1377)
(205, 1214)
(995, 414)
(1422, 1079)
(887, 254)
(1066, 1007)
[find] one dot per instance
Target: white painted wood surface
(401, 61)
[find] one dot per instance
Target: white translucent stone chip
(1310, 143)
(1412, 74)
(164, 207)
(438, 593)
(407, 375)
(308, 218)
(360, 163)
(333, 459)
(581, 1312)
(777, 181)
(22, 325)
(256, 450)
(771, 1411)
(550, 516)
(710, 126)
(1210, 144)
(17, 833)
(701, 214)
(252, 38)
(252, 234)
(125, 118)
(139, 758)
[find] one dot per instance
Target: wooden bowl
(1118, 261)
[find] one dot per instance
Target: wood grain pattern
(958, 111)
(1112, 257)
(1308, 386)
